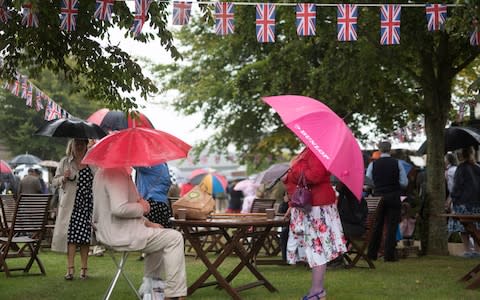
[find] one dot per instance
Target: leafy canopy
(106, 69)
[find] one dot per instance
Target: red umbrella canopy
(111, 120)
(138, 147)
(5, 168)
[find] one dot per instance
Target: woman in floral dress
(316, 236)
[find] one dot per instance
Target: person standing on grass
(389, 178)
(465, 197)
(315, 236)
(73, 223)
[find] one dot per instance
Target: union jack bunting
(475, 38)
(68, 14)
(390, 24)
(436, 16)
(347, 15)
(29, 19)
(103, 10)
(24, 82)
(29, 95)
(4, 13)
(181, 12)
(52, 111)
(224, 12)
(306, 18)
(141, 15)
(15, 87)
(265, 22)
(38, 100)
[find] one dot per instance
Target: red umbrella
(136, 147)
(111, 120)
(5, 168)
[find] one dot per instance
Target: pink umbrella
(325, 133)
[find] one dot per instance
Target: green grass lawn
(430, 277)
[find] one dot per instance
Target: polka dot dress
(159, 213)
(79, 229)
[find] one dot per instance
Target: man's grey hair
(384, 146)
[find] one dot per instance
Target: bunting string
(347, 15)
(23, 88)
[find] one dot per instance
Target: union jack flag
(347, 15)
(181, 12)
(38, 99)
(224, 12)
(103, 10)
(29, 19)
(68, 14)
(29, 95)
(15, 87)
(475, 38)
(52, 111)
(390, 24)
(436, 16)
(24, 81)
(306, 18)
(141, 15)
(265, 23)
(4, 13)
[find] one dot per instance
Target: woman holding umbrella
(73, 224)
(316, 235)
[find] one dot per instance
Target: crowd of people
(135, 215)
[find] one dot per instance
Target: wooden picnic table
(468, 221)
(242, 228)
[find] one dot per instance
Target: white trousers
(165, 259)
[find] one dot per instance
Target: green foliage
(18, 122)
(225, 77)
(107, 70)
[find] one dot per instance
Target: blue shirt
(402, 176)
(153, 182)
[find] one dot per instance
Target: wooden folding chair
(259, 205)
(271, 245)
(27, 229)
(7, 206)
(358, 245)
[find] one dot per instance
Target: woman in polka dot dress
(79, 229)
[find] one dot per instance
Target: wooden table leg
(246, 258)
(212, 268)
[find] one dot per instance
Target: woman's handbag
(198, 203)
(302, 197)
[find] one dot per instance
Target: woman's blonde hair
(70, 146)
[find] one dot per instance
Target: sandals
(318, 296)
(69, 275)
(83, 273)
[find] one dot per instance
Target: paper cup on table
(270, 213)
(182, 213)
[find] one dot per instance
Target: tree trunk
(436, 83)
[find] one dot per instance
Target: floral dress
(80, 228)
(316, 237)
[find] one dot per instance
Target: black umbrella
(456, 137)
(27, 159)
(71, 128)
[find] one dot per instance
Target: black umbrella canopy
(456, 137)
(71, 128)
(27, 159)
